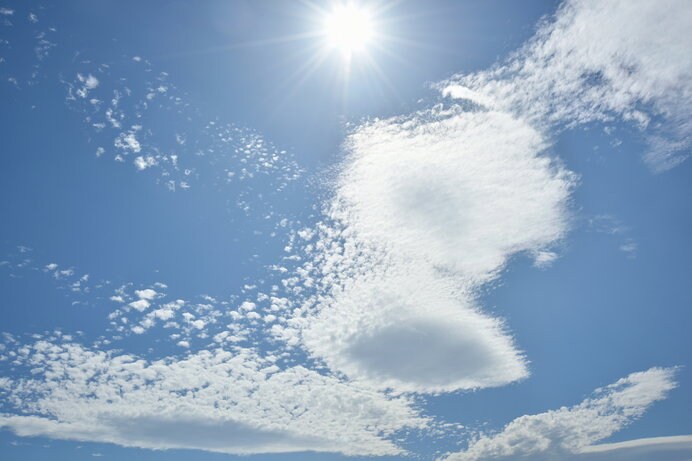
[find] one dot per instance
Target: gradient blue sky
(473, 244)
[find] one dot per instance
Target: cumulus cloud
(217, 400)
(451, 193)
(459, 190)
(429, 208)
(601, 61)
(88, 83)
(140, 305)
(426, 210)
(410, 333)
(570, 432)
(147, 294)
(127, 142)
(144, 162)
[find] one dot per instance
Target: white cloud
(450, 194)
(568, 433)
(91, 82)
(629, 248)
(144, 162)
(140, 304)
(127, 142)
(543, 259)
(175, 160)
(199, 324)
(147, 294)
(462, 191)
(610, 225)
(88, 82)
(461, 92)
(429, 208)
(597, 61)
(409, 333)
(216, 400)
(165, 313)
(675, 448)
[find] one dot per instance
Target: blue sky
(228, 231)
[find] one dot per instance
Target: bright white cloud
(133, 91)
(88, 82)
(459, 190)
(127, 142)
(543, 259)
(563, 433)
(600, 61)
(428, 209)
(676, 448)
(410, 333)
(216, 400)
(147, 294)
(452, 193)
(144, 162)
(140, 305)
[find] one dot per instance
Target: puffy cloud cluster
(230, 401)
(427, 209)
(123, 113)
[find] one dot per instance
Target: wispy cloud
(571, 431)
(601, 61)
(674, 448)
(610, 225)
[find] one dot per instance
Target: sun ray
(300, 76)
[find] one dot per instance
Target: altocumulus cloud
(427, 209)
(215, 400)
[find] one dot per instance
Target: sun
(348, 28)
